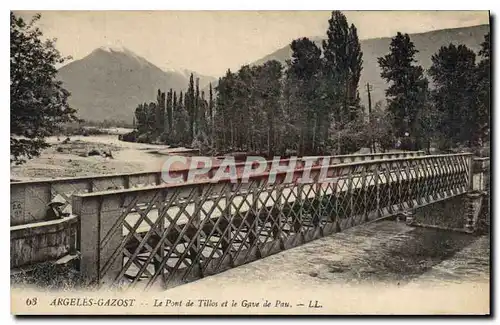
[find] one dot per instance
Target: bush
(347, 138)
(164, 138)
(50, 276)
(144, 138)
(79, 129)
(129, 137)
(202, 143)
(482, 152)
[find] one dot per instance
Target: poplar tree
(189, 105)
(306, 112)
(407, 89)
(160, 112)
(196, 108)
(169, 106)
(342, 65)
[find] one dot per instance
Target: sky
(210, 42)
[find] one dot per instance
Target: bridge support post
(478, 192)
(472, 208)
(101, 239)
(88, 215)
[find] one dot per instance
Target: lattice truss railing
(184, 232)
(43, 192)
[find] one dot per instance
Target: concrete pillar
(87, 211)
(472, 208)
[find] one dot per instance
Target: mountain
(427, 43)
(109, 83)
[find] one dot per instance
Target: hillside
(427, 43)
(109, 83)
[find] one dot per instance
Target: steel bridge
(169, 234)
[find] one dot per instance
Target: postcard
(250, 162)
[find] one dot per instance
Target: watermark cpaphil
(178, 169)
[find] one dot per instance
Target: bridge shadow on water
(407, 256)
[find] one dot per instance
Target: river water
(71, 159)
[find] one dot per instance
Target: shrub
(51, 276)
(129, 137)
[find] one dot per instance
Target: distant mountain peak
(121, 51)
(117, 49)
(114, 49)
(111, 81)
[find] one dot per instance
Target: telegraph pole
(369, 88)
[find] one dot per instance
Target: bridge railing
(180, 232)
(29, 199)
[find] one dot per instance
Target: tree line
(311, 104)
(271, 108)
(453, 112)
(175, 118)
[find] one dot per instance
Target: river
(71, 159)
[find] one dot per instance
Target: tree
(196, 108)
(349, 137)
(141, 117)
(343, 64)
(160, 112)
(211, 124)
(408, 87)
(224, 122)
(39, 102)
(268, 91)
(379, 128)
(305, 111)
(203, 114)
(151, 114)
(429, 123)
(355, 56)
(211, 104)
(169, 117)
(453, 73)
(190, 106)
(244, 98)
(181, 121)
(173, 130)
(483, 91)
